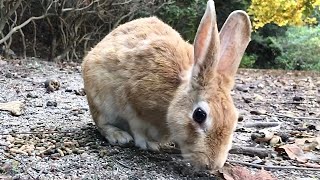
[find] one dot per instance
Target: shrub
(248, 60)
(300, 49)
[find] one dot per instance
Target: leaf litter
(54, 136)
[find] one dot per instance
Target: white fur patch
(208, 123)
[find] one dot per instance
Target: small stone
(240, 118)
(247, 99)
(32, 95)
(297, 98)
(2, 62)
(80, 92)
(241, 88)
(15, 107)
(68, 90)
(55, 156)
(103, 152)
(52, 103)
(257, 161)
(52, 85)
(258, 112)
(84, 155)
(284, 137)
(260, 85)
(8, 75)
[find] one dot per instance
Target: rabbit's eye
(199, 115)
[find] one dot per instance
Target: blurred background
(286, 33)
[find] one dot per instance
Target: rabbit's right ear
(207, 41)
(235, 36)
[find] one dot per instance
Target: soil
(55, 138)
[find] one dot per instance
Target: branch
(126, 2)
(7, 15)
(297, 117)
(273, 167)
(13, 30)
(251, 151)
(78, 9)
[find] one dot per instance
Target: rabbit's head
(202, 116)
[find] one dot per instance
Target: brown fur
(144, 74)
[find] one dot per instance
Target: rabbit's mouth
(202, 160)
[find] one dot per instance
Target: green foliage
(248, 60)
(266, 49)
(184, 16)
(300, 49)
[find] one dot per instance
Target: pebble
(297, 98)
(32, 95)
(242, 89)
(52, 103)
(260, 85)
(247, 99)
(52, 85)
(258, 112)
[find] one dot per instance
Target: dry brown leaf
(305, 142)
(294, 152)
(240, 173)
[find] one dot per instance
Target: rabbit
(147, 85)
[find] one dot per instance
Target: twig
(293, 103)
(13, 30)
(262, 124)
(25, 167)
(39, 132)
(273, 167)
(251, 151)
(297, 117)
(122, 164)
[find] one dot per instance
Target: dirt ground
(55, 138)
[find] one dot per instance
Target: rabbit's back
(141, 63)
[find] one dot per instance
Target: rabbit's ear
(235, 37)
(206, 43)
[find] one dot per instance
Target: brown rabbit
(145, 83)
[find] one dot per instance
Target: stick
(298, 117)
(122, 164)
(39, 132)
(273, 167)
(251, 151)
(262, 124)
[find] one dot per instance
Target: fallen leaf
(308, 144)
(239, 173)
(294, 152)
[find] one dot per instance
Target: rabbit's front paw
(116, 136)
(144, 144)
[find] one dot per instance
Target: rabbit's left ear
(234, 38)
(206, 43)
